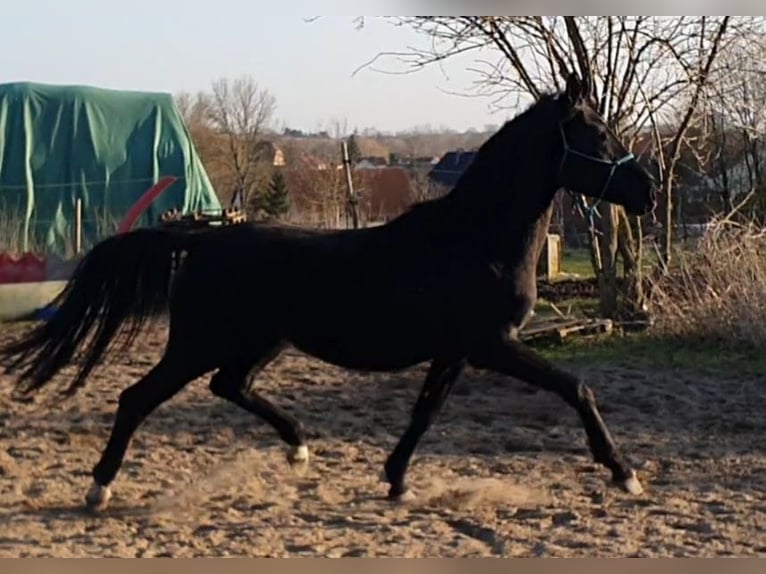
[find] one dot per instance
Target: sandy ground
(504, 472)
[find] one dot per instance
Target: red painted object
(143, 202)
(30, 268)
(25, 269)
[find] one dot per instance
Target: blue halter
(613, 164)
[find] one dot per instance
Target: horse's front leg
(506, 355)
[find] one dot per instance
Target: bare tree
(422, 187)
(241, 111)
(324, 198)
(337, 128)
(195, 111)
(644, 70)
(194, 108)
(736, 115)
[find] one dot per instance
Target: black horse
(453, 280)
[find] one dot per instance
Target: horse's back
(249, 264)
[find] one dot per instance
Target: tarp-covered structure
(105, 147)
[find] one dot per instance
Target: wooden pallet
(174, 218)
(559, 329)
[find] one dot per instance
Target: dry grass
(716, 290)
(12, 234)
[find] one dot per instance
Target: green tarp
(105, 147)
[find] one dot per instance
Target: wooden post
(78, 226)
(352, 199)
(549, 264)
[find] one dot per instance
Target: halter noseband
(613, 164)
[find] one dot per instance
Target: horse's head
(594, 161)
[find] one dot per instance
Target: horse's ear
(576, 90)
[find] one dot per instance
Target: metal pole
(78, 226)
(352, 199)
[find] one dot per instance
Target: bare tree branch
(241, 111)
(643, 70)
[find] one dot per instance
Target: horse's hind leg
(170, 375)
(439, 380)
(233, 382)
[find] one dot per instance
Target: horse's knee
(223, 386)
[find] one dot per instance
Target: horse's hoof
(403, 497)
(97, 497)
(631, 485)
(298, 454)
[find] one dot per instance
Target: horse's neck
(513, 233)
(502, 205)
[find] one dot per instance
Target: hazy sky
(169, 45)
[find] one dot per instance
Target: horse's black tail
(120, 284)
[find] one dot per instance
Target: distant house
(740, 176)
(270, 153)
(398, 160)
(425, 161)
(450, 167)
(371, 162)
(385, 193)
(309, 161)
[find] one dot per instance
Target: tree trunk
(631, 249)
(667, 232)
(621, 237)
(725, 188)
(607, 278)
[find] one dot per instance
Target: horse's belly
(365, 354)
(366, 340)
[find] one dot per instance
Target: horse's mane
(507, 140)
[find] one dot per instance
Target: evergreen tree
(276, 199)
(354, 153)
